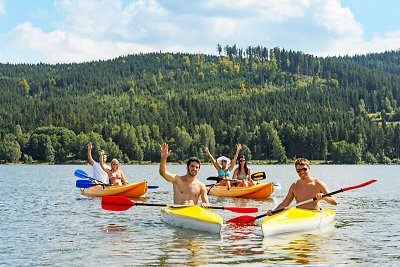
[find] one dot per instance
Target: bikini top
(222, 173)
(242, 176)
(116, 175)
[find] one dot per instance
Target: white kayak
(296, 220)
(192, 217)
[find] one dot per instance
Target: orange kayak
(255, 191)
(129, 190)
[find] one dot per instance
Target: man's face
(193, 168)
(302, 170)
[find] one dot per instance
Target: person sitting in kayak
(221, 165)
(187, 189)
(306, 188)
(98, 173)
(243, 173)
(115, 175)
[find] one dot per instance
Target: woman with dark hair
(243, 173)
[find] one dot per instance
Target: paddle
(120, 203)
(84, 175)
(256, 177)
(251, 219)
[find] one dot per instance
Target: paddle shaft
(301, 203)
(121, 203)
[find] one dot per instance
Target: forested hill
(388, 61)
(279, 104)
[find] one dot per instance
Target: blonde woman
(115, 175)
(221, 165)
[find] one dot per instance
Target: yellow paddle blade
(258, 176)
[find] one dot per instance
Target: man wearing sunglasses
(306, 188)
(187, 189)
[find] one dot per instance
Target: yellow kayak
(296, 220)
(192, 217)
(129, 190)
(255, 191)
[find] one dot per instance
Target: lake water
(45, 221)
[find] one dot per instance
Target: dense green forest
(279, 104)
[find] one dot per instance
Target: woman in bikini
(243, 173)
(115, 175)
(221, 165)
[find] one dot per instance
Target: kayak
(254, 191)
(192, 217)
(296, 220)
(129, 190)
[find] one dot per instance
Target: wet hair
(301, 161)
(246, 170)
(195, 159)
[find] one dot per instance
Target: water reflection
(188, 248)
(303, 248)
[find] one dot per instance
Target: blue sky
(64, 31)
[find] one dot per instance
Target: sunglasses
(223, 160)
(115, 164)
(300, 170)
(242, 160)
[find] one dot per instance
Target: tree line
(279, 104)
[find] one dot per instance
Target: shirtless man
(306, 188)
(187, 189)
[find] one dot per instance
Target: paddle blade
(81, 174)
(360, 185)
(152, 186)
(241, 210)
(84, 183)
(243, 219)
(258, 176)
(116, 203)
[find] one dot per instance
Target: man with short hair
(187, 189)
(98, 173)
(307, 187)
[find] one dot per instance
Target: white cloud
(2, 7)
(61, 46)
(94, 29)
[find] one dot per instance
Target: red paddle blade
(242, 219)
(360, 185)
(116, 203)
(241, 209)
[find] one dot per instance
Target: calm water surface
(45, 221)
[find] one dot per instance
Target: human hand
(204, 205)
(269, 212)
(90, 146)
(164, 150)
(319, 196)
(239, 146)
(206, 149)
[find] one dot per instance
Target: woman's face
(242, 161)
(114, 165)
(223, 163)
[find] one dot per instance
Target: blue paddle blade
(81, 174)
(84, 183)
(152, 186)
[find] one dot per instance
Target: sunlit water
(45, 221)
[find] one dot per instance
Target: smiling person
(187, 189)
(243, 173)
(115, 175)
(221, 165)
(306, 188)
